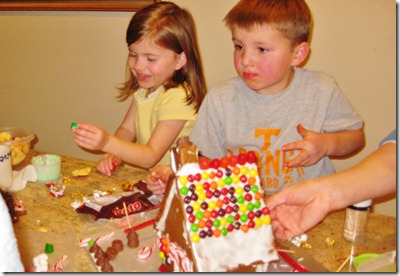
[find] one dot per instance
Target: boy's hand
(157, 180)
(312, 148)
(90, 136)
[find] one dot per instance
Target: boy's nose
(246, 59)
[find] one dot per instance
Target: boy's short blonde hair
(291, 17)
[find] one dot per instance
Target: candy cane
(58, 267)
(145, 252)
(84, 242)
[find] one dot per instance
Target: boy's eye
(238, 46)
(263, 50)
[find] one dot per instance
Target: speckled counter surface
(53, 220)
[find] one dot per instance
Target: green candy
(49, 248)
(74, 125)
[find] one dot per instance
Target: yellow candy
(243, 208)
(235, 179)
(253, 173)
(196, 206)
(221, 182)
(266, 220)
(183, 179)
(212, 204)
(258, 222)
(199, 188)
(195, 238)
(239, 190)
(202, 196)
(161, 255)
(244, 170)
(204, 175)
(224, 221)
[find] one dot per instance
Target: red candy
(204, 163)
(242, 158)
(251, 157)
(233, 159)
(215, 163)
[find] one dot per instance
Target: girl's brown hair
(173, 28)
(291, 17)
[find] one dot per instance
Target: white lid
(363, 204)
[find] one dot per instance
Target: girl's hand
(108, 164)
(157, 180)
(312, 148)
(90, 137)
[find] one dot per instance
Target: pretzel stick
(344, 263)
(127, 216)
(284, 250)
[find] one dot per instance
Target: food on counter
(81, 172)
(133, 239)
(213, 217)
(111, 206)
(111, 253)
(18, 151)
(118, 245)
(48, 167)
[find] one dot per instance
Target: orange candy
(201, 223)
(217, 232)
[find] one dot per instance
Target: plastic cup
(48, 167)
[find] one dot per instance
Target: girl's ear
(181, 61)
(300, 53)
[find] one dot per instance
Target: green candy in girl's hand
(74, 125)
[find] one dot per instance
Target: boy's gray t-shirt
(233, 117)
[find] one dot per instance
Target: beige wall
(62, 67)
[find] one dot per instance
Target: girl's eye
(263, 50)
(132, 55)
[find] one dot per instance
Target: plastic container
(48, 167)
(355, 225)
(19, 139)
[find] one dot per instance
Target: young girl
(167, 84)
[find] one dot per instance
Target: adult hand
(297, 208)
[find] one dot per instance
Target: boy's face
(263, 58)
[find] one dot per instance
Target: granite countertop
(53, 220)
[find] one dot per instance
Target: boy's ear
(181, 61)
(300, 53)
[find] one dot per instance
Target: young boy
(293, 118)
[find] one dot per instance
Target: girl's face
(153, 65)
(263, 58)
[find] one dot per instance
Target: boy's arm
(343, 143)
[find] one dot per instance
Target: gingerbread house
(213, 217)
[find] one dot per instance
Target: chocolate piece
(94, 248)
(118, 245)
(101, 260)
(107, 267)
(111, 253)
(133, 239)
(99, 253)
